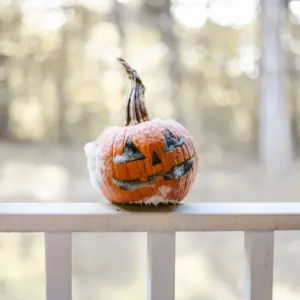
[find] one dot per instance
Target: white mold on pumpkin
(94, 163)
(161, 198)
(164, 190)
(155, 200)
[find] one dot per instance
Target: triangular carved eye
(171, 142)
(155, 159)
(131, 153)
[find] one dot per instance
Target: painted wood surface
(58, 254)
(94, 217)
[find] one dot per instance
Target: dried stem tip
(131, 72)
(136, 111)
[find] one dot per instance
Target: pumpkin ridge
(111, 154)
(139, 162)
(124, 138)
(192, 145)
(160, 154)
(182, 186)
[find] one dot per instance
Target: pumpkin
(145, 161)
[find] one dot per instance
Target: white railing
(59, 220)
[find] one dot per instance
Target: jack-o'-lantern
(146, 161)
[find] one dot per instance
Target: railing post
(58, 250)
(161, 266)
(259, 248)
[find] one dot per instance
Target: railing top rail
(96, 217)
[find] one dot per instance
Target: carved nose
(155, 159)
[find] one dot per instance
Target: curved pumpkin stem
(136, 111)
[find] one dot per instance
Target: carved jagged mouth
(175, 173)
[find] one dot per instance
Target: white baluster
(58, 249)
(161, 266)
(259, 247)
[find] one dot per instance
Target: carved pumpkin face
(152, 161)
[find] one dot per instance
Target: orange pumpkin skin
(146, 161)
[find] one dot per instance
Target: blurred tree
(291, 47)
(292, 80)
(60, 57)
(4, 97)
(275, 132)
(158, 14)
(60, 78)
(10, 24)
(118, 17)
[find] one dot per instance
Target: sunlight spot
(192, 15)
(294, 7)
(219, 13)
(50, 21)
(192, 57)
(243, 12)
(44, 15)
(44, 4)
(232, 68)
(235, 12)
(248, 57)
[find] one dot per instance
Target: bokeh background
(228, 70)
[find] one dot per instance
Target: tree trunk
(275, 132)
(159, 16)
(60, 77)
(118, 11)
(167, 23)
(4, 99)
